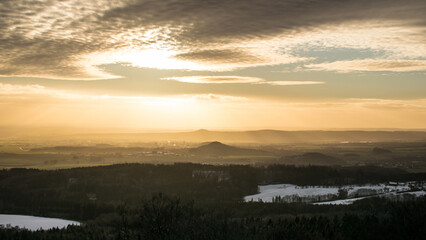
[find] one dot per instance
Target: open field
(334, 194)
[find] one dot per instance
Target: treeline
(324, 175)
(165, 217)
(85, 193)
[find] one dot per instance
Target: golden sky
(190, 64)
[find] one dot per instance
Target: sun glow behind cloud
(34, 105)
(399, 54)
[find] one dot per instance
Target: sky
(220, 65)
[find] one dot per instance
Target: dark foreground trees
(108, 200)
(165, 217)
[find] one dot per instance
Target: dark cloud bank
(47, 38)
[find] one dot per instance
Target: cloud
(15, 91)
(218, 98)
(232, 58)
(370, 65)
(388, 104)
(292, 83)
(35, 94)
(215, 79)
(221, 56)
(11, 89)
(237, 79)
(60, 39)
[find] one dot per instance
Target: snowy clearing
(33, 223)
(329, 194)
(340, 202)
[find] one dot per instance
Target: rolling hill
(220, 149)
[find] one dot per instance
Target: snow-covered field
(340, 202)
(388, 195)
(33, 223)
(311, 194)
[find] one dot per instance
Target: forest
(200, 201)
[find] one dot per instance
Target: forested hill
(220, 149)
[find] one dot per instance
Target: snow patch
(327, 194)
(33, 223)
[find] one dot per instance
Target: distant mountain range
(258, 136)
(279, 137)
